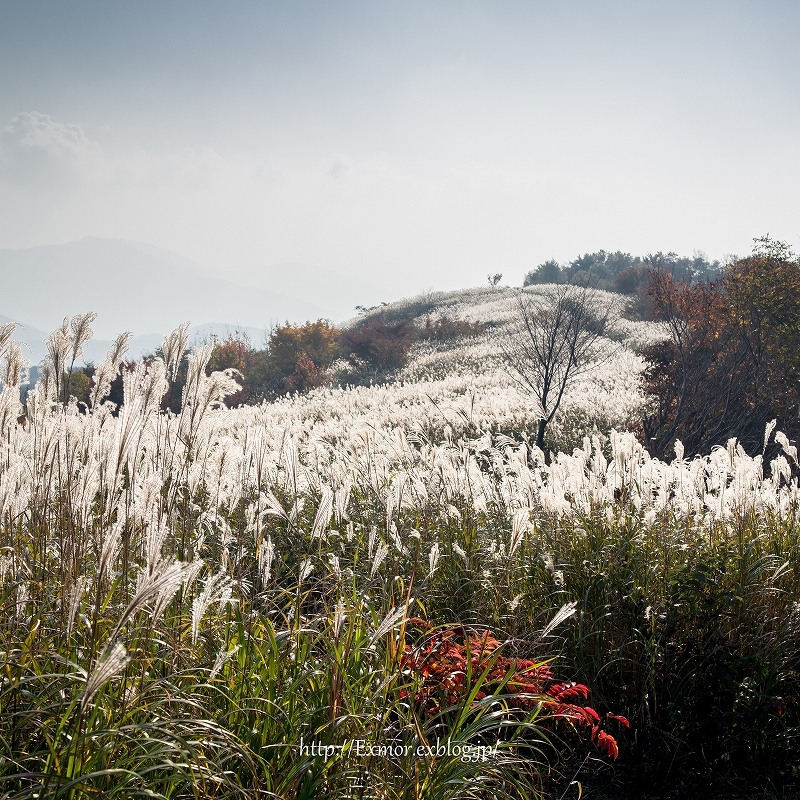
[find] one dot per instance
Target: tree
(731, 363)
(559, 336)
(79, 383)
(236, 352)
(635, 282)
(599, 269)
(300, 355)
(548, 272)
(697, 269)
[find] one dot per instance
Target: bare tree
(558, 336)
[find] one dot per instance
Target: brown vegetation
(732, 360)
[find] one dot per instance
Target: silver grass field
(189, 599)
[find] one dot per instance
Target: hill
(462, 384)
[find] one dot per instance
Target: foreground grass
(201, 606)
(691, 631)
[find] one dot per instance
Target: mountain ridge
(95, 350)
(132, 289)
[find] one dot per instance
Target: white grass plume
(80, 333)
(15, 367)
(380, 557)
(433, 559)
(173, 348)
(266, 555)
(306, 568)
(108, 370)
(111, 662)
(223, 657)
(563, 614)
(6, 332)
(109, 549)
(520, 524)
(154, 587)
(389, 621)
(323, 516)
(213, 589)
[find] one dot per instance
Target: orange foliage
(300, 355)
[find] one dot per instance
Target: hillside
(248, 556)
(463, 384)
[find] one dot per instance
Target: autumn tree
(731, 362)
(236, 352)
(300, 356)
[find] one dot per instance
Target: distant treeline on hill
(622, 272)
(626, 274)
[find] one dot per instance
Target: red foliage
(445, 659)
(306, 375)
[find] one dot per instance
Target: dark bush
(376, 348)
(445, 329)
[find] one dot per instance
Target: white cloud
(35, 147)
(34, 130)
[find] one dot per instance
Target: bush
(235, 352)
(445, 329)
(376, 348)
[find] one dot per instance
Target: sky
(417, 145)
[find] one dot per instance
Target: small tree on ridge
(558, 337)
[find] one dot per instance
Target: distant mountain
(132, 287)
(334, 292)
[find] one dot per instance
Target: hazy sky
(426, 143)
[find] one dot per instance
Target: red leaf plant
(441, 666)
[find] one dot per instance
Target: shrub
(250, 365)
(301, 355)
(376, 348)
(445, 329)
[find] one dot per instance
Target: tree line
(625, 274)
